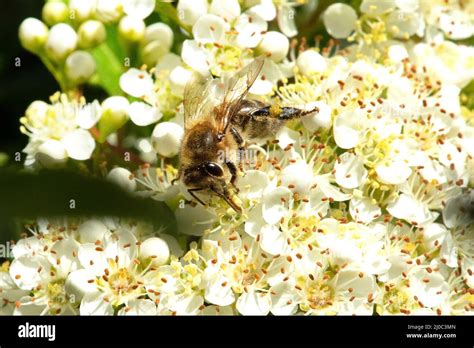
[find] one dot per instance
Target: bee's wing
(196, 95)
(236, 89)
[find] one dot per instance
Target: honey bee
(219, 118)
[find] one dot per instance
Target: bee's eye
(214, 169)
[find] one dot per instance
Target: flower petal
(143, 114)
(136, 83)
(79, 144)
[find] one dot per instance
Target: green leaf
(61, 193)
(109, 58)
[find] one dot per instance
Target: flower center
(319, 296)
(56, 292)
(122, 281)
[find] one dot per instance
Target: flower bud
(51, 154)
(81, 10)
(55, 12)
(108, 11)
(310, 62)
(62, 40)
(33, 34)
(91, 33)
(138, 8)
(80, 66)
(114, 115)
(92, 231)
(275, 45)
(340, 20)
(123, 178)
(189, 11)
(157, 249)
(152, 53)
(132, 28)
(159, 32)
(166, 138)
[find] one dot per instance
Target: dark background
(19, 86)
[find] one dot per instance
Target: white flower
(457, 210)
(79, 144)
(166, 138)
(349, 128)
(33, 34)
(405, 24)
(132, 28)
(113, 274)
(375, 7)
(249, 27)
(44, 276)
(310, 62)
(252, 184)
(55, 12)
(178, 287)
(108, 11)
(138, 8)
(157, 96)
(10, 294)
(226, 9)
(82, 9)
(315, 292)
(143, 114)
(275, 45)
(453, 64)
(115, 109)
(350, 171)
(159, 32)
(123, 178)
(210, 28)
(156, 249)
(321, 119)
(189, 11)
(80, 66)
(364, 210)
(92, 231)
(51, 154)
(195, 220)
(456, 24)
(340, 20)
(91, 33)
(62, 40)
(409, 208)
(265, 9)
(136, 82)
(235, 273)
(65, 121)
(139, 307)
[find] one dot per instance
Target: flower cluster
(364, 207)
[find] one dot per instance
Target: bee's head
(206, 174)
(209, 175)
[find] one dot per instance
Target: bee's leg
(228, 200)
(238, 138)
(233, 171)
(191, 192)
(282, 113)
(177, 178)
(241, 143)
